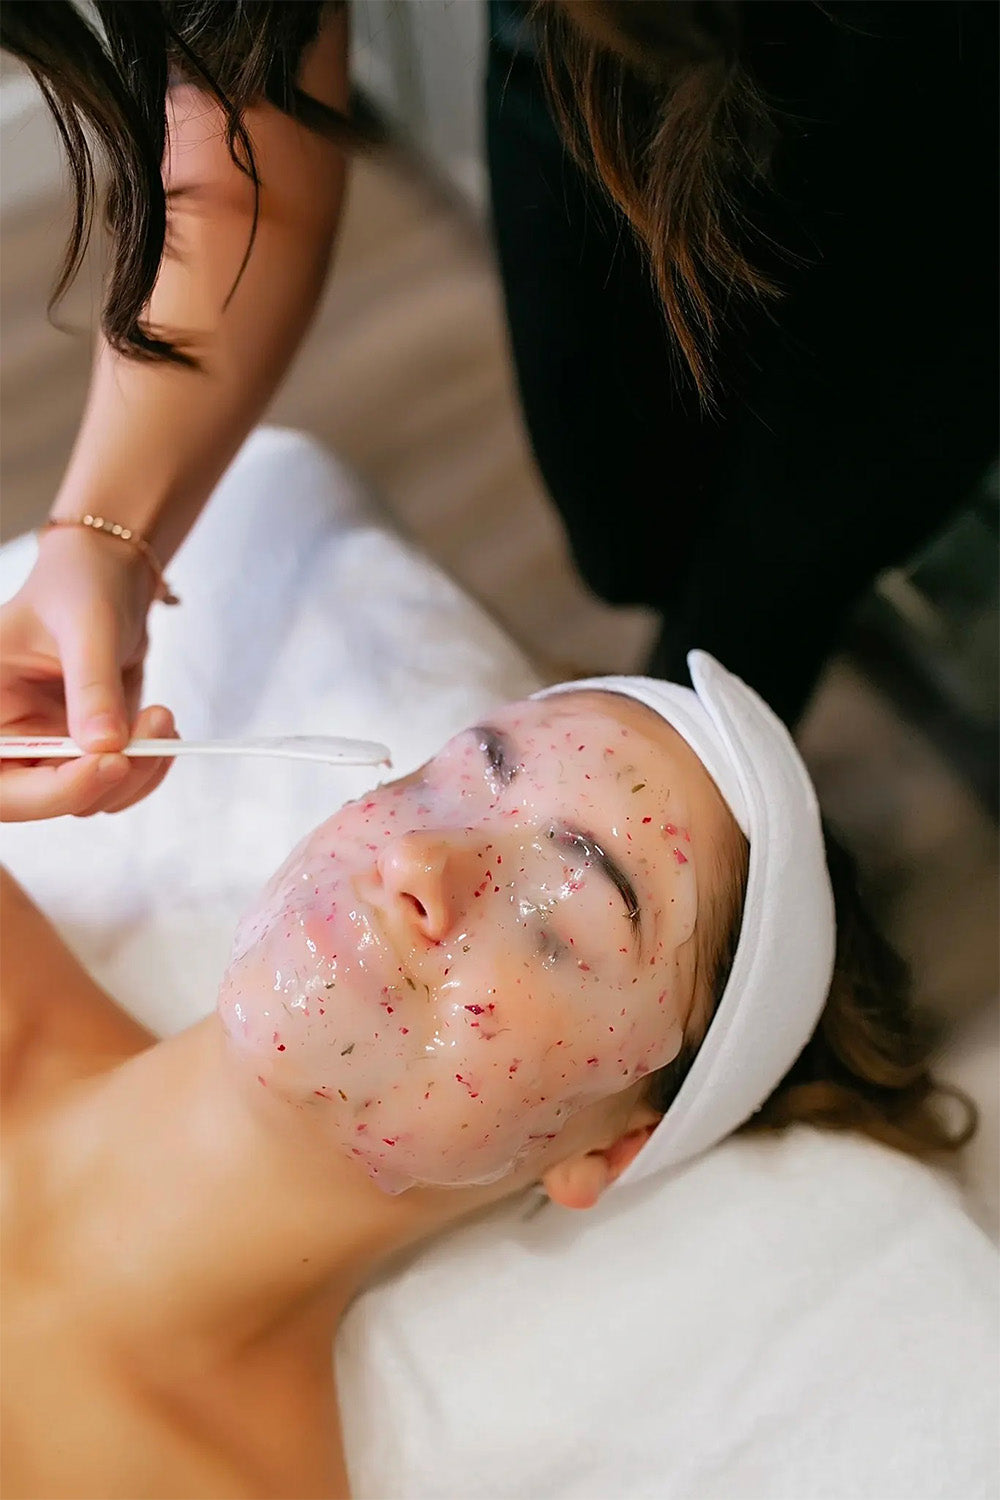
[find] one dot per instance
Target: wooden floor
(405, 374)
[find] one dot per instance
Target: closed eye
(500, 760)
(575, 838)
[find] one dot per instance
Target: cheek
(620, 1033)
(531, 1053)
(417, 1080)
(469, 1094)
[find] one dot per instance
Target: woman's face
(450, 967)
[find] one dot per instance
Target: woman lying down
(584, 943)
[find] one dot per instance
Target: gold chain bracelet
(131, 539)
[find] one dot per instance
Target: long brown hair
(241, 52)
(650, 93)
(866, 1067)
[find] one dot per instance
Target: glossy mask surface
(450, 967)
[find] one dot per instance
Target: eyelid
(496, 747)
(575, 838)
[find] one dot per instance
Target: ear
(580, 1180)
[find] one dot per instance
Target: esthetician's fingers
(92, 675)
(153, 723)
(55, 789)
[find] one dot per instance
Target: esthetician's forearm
(156, 437)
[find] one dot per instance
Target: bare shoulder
(56, 1023)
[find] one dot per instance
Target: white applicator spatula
(326, 748)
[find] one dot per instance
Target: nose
(422, 879)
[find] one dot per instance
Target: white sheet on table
(806, 1319)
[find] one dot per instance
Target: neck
(236, 1222)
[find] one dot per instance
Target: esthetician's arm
(156, 437)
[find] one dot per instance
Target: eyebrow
(576, 838)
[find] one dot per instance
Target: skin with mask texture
(483, 959)
(455, 964)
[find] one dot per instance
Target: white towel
(806, 1319)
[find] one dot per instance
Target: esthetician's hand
(72, 645)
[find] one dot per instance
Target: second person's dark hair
(651, 94)
(654, 98)
(112, 87)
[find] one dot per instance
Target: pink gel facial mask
(446, 970)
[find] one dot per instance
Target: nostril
(418, 906)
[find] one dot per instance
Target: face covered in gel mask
(450, 967)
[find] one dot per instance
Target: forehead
(608, 723)
(591, 742)
(609, 736)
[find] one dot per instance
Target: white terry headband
(784, 959)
